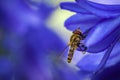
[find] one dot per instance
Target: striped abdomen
(70, 54)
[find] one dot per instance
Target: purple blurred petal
(84, 75)
(90, 61)
(107, 7)
(98, 10)
(106, 56)
(5, 65)
(83, 21)
(115, 51)
(36, 44)
(102, 35)
(73, 7)
(17, 16)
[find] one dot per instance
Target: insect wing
(62, 53)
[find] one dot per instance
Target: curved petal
(90, 62)
(115, 52)
(73, 7)
(115, 8)
(85, 22)
(100, 37)
(97, 10)
(106, 56)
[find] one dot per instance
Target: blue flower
(18, 15)
(95, 59)
(33, 49)
(38, 60)
(100, 23)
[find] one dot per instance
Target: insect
(75, 42)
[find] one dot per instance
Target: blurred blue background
(32, 36)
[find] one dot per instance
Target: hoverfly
(75, 42)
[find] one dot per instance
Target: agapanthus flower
(95, 59)
(22, 13)
(32, 55)
(100, 22)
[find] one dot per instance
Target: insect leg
(84, 36)
(86, 33)
(82, 47)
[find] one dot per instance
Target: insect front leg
(82, 47)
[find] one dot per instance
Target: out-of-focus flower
(45, 10)
(31, 49)
(101, 24)
(6, 69)
(38, 58)
(18, 15)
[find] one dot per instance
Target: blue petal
(106, 56)
(115, 51)
(85, 22)
(73, 7)
(103, 35)
(115, 8)
(36, 44)
(97, 10)
(90, 62)
(84, 75)
(93, 60)
(16, 15)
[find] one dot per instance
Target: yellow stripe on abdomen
(70, 54)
